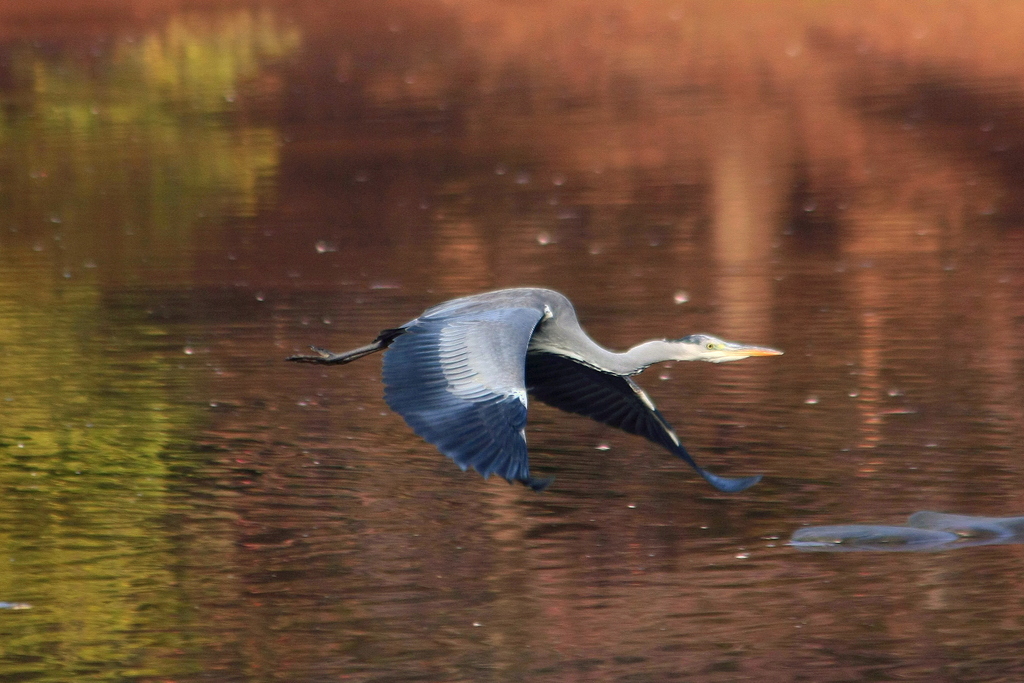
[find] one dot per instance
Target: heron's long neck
(564, 336)
(628, 362)
(656, 351)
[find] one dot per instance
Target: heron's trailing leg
(325, 357)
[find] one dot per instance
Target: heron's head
(714, 350)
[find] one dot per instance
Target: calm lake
(191, 192)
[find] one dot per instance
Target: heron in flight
(460, 373)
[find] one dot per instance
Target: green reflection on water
(85, 448)
(129, 152)
(115, 164)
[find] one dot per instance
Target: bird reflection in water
(460, 373)
(924, 530)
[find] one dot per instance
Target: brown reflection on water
(746, 204)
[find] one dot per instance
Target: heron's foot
(322, 356)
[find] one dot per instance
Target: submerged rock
(870, 537)
(970, 526)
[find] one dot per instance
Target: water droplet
(558, 179)
(632, 506)
(323, 246)
(477, 623)
(189, 350)
(260, 296)
(544, 239)
(811, 400)
(681, 297)
(742, 556)
(602, 447)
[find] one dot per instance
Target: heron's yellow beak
(729, 351)
(757, 351)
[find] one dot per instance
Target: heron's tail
(325, 357)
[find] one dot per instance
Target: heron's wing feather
(459, 381)
(616, 401)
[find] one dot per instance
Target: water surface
(191, 196)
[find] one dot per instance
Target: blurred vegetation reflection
(133, 144)
(118, 154)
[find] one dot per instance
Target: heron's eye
(712, 346)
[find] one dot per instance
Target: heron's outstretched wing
(616, 401)
(459, 381)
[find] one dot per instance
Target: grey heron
(459, 375)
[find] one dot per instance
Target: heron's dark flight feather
(616, 401)
(571, 386)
